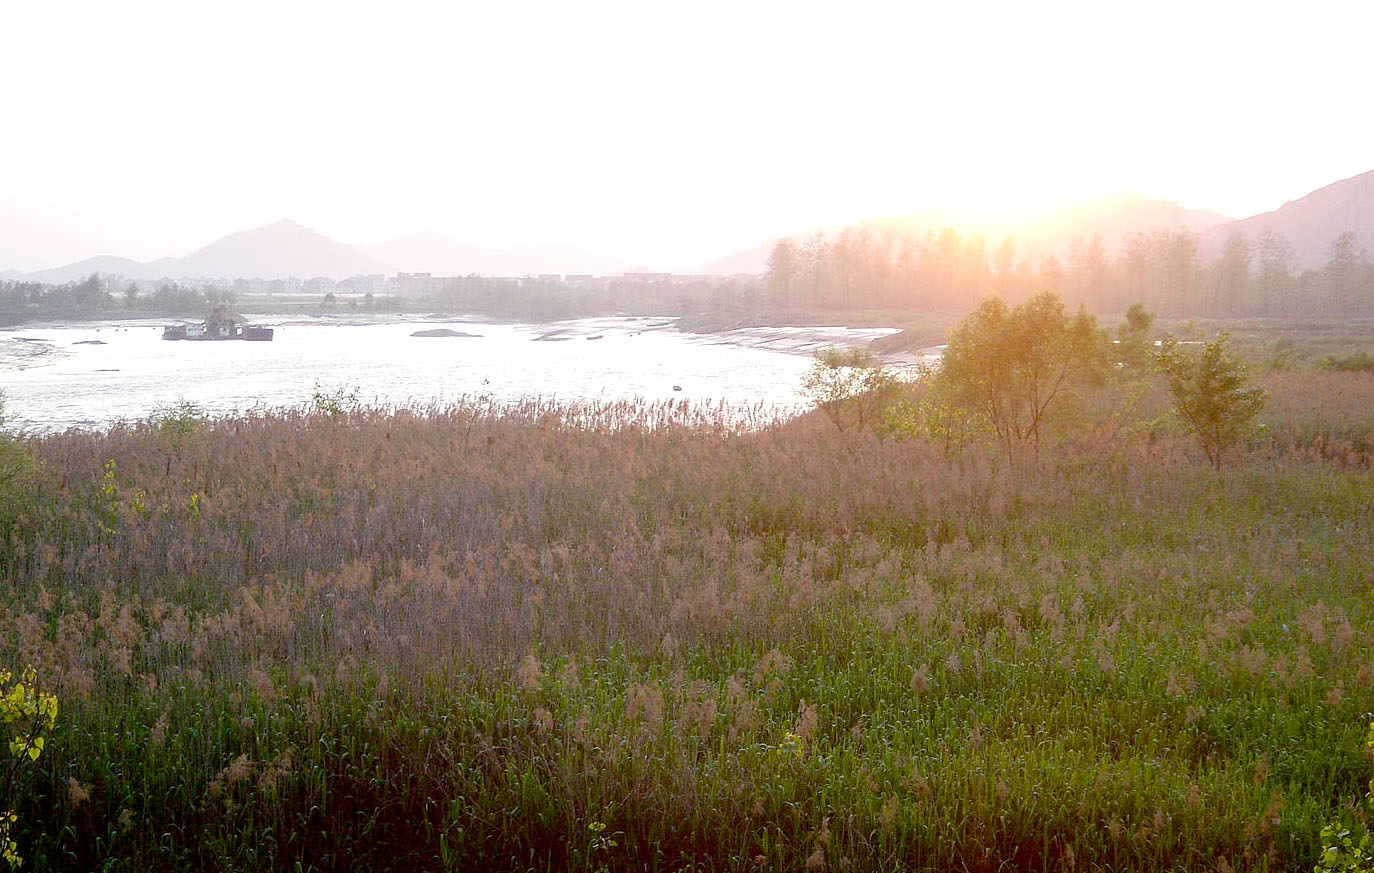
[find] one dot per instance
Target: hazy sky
(667, 134)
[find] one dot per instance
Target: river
(57, 376)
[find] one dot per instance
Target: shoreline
(88, 374)
(784, 338)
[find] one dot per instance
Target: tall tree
(1274, 283)
(976, 277)
(1051, 274)
(1343, 273)
(1176, 258)
(782, 270)
(1232, 274)
(1008, 284)
(1135, 265)
(1010, 365)
(946, 258)
(815, 267)
(1087, 279)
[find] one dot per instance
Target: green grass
(452, 640)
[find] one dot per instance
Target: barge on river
(219, 326)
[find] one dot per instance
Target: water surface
(63, 375)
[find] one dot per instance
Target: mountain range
(286, 248)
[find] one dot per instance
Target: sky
(665, 134)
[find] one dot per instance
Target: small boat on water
(219, 326)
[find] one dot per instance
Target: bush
(178, 426)
(850, 386)
(1210, 393)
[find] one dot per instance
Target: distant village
(543, 295)
(379, 284)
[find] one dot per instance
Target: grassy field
(633, 638)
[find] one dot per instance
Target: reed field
(658, 637)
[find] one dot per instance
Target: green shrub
(26, 715)
(1210, 393)
(1344, 850)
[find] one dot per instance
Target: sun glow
(654, 133)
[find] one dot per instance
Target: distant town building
(414, 284)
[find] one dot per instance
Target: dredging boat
(220, 325)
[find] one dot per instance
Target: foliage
(782, 270)
(929, 411)
(179, 423)
(1344, 851)
(179, 426)
(1356, 362)
(1210, 393)
(1134, 348)
(458, 638)
(335, 402)
(1009, 365)
(84, 298)
(1166, 269)
(851, 386)
(26, 714)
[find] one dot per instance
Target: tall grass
(641, 636)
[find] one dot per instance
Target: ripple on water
(23, 352)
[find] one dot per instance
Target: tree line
(89, 298)
(1165, 270)
(541, 300)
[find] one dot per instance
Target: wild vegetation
(526, 299)
(634, 636)
(89, 298)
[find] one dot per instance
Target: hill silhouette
(1310, 224)
(273, 251)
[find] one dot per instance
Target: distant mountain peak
(272, 251)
